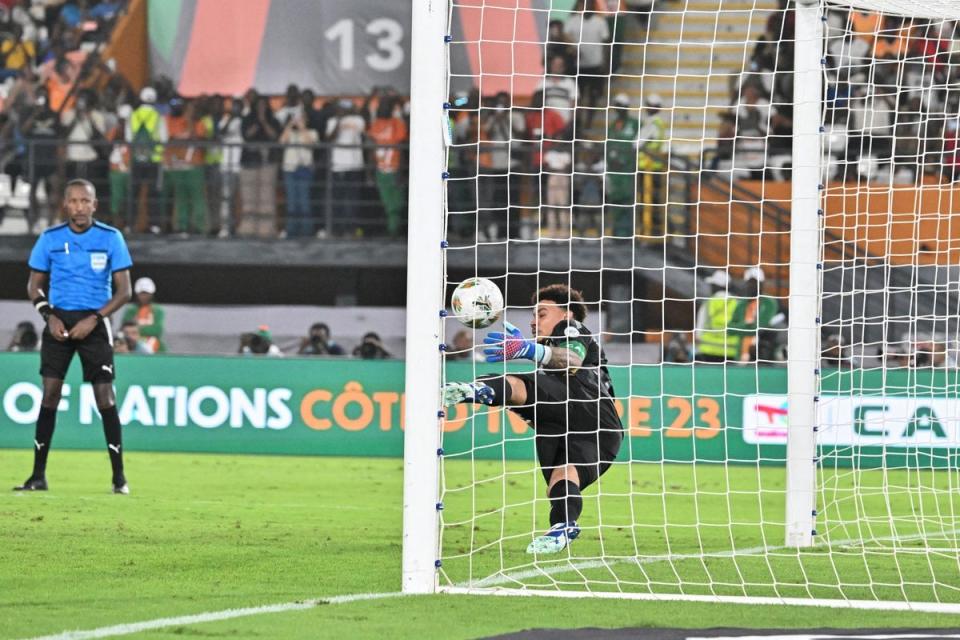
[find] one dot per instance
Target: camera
(370, 348)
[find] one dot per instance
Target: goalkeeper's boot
(457, 392)
(33, 483)
(556, 539)
(120, 486)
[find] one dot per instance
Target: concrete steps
(692, 54)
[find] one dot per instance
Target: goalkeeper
(568, 401)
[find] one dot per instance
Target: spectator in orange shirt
(147, 314)
(866, 24)
(388, 131)
(185, 167)
(59, 83)
(892, 40)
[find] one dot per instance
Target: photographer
(371, 348)
(318, 342)
(24, 338)
(259, 343)
(131, 339)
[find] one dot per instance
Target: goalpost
(807, 152)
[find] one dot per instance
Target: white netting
(642, 154)
(888, 413)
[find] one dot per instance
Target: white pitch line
(479, 586)
(517, 576)
(211, 616)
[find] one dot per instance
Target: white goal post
(816, 461)
(424, 297)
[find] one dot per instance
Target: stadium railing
(234, 199)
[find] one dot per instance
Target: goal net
(756, 200)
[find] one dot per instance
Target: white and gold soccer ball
(477, 302)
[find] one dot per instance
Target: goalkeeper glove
(513, 346)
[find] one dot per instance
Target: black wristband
(99, 316)
(42, 306)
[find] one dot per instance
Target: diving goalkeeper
(568, 401)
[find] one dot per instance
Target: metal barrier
(243, 190)
(264, 190)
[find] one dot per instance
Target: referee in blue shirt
(84, 265)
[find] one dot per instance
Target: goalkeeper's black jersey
(592, 376)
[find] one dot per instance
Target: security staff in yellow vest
(652, 165)
(713, 341)
(146, 132)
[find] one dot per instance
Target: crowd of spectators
(215, 165)
(892, 96)
(914, 350)
(517, 170)
(249, 165)
(891, 100)
(573, 159)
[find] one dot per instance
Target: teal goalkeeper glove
(513, 346)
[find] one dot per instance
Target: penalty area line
(212, 616)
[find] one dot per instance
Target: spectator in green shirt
(754, 313)
(622, 165)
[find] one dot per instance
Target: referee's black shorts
(96, 350)
(571, 426)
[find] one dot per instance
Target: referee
(568, 401)
(85, 267)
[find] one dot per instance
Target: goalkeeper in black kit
(568, 401)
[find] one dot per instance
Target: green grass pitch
(204, 533)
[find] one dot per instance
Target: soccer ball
(477, 302)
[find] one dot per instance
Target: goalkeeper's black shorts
(573, 425)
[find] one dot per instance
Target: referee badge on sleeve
(98, 261)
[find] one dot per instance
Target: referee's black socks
(111, 429)
(566, 502)
(46, 422)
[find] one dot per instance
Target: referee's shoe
(33, 484)
(120, 486)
